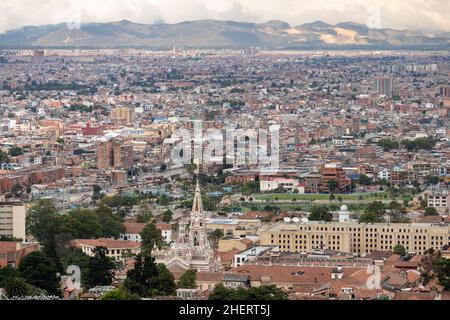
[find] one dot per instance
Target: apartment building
(333, 172)
(114, 154)
(12, 219)
(354, 237)
(439, 198)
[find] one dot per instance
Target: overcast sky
(399, 14)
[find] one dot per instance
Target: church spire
(197, 206)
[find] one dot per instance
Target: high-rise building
(122, 155)
(104, 158)
(12, 219)
(384, 86)
(114, 154)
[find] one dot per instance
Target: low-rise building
(119, 250)
(439, 198)
(12, 253)
(354, 237)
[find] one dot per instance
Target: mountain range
(222, 34)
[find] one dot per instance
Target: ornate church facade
(192, 249)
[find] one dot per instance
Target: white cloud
(404, 14)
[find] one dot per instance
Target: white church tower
(192, 250)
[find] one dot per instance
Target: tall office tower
(114, 154)
(384, 86)
(122, 155)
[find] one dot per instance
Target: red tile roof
(134, 227)
(164, 226)
(108, 243)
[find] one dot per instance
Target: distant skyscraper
(384, 86)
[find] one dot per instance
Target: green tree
(17, 287)
(163, 284)
(99, 269)
(364, 180)
(43, 222)
(151, 238)
(432, 180)
(40, 271)
(187, 280)
(135, 281)
(320, 213)
(167, 216)
(215, 236)
(332, 186)
(4, 157)
(430, 211)
(369, 217)
(81, 224)
(252, 294)
(120, 293)
(149, 279)
(388, 144)
(400, 250)
(376, 208)
(144, 217)
(17, 190)
(15, 151)
(249, 188)
(434, 266)
(96, 192)
(7, 273)
(111, 225)
(121, 205)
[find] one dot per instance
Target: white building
(272, 183)
(384, 174)
(116, 249)
(250, 254)
(344, 214)
(133, 230)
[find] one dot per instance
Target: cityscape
(214, 160)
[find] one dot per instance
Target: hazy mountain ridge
(212, 33)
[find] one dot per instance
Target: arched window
(196, 241)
